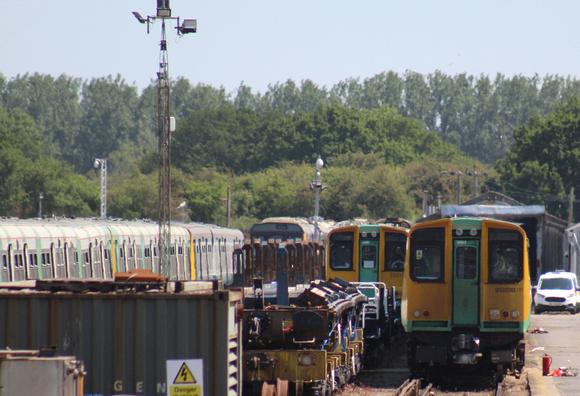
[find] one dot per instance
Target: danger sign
(185, 377)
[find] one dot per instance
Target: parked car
(557, 291)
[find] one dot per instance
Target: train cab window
(395, 247)
(369, 256)
(505, 256)
(341, 249)
(427, 255)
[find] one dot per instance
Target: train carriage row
(98, 249)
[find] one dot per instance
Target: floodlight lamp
(139, 17)
(97, 163)
(319, 163)
(163, 9)
(188, 26)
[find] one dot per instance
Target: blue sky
(263, 42)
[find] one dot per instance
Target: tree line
(385, 140)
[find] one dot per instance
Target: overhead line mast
(165, 127)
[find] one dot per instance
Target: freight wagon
(126, 332)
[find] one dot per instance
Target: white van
(557, 291)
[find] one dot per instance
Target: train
(466, 295)
(369, 252)
(290, 229)
(62, 248)
(371, 257)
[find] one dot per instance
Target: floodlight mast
(164, 137)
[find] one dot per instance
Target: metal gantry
(164, 128)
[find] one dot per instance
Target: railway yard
(391, 377)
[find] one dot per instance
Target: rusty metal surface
(301, 262)
(125, 338)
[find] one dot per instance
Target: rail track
(507, 386)
(396, 382)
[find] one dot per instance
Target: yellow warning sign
(184, 376)
(185, 390)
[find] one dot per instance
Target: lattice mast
(165, 128)
(164, 149)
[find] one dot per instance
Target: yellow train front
(466, 294)
(372, 257)
(368, 253)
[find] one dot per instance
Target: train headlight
(417, 313)
(515, 314)
(494, 314)
(306, 359)
(459, 232)
(505, 314)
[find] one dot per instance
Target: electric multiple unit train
(466, 294)
(98, 249)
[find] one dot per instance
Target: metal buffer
(166, 124)
(317, 186)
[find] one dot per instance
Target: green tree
(134, 197)
(109, 106)
(52, 103)
(544, 161)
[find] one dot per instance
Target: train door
(59, 262)
(6, 265)
(86, 262)
(18, 265)
(108, 259)
(130, 255)
(465, 282)
(32, 264)
(369, 259)
(73, 261)
(181, 255)
(97, 264)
